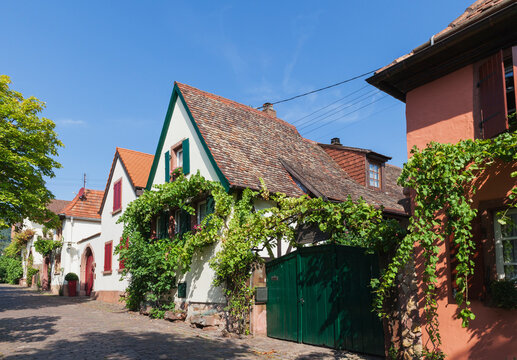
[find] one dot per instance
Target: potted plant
(72, 278)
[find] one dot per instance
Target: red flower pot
(72, 288)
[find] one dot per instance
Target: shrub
(71, 277)
(504, 294)
(11, 270)
(30, 273)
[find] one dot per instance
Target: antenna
(84, 181)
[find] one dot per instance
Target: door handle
(302, 301)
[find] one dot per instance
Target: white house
(126, 181)
(38, 261)
(238, 145)
(81, 223)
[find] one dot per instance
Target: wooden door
(89, 274)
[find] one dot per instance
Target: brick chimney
(268, 109)
(335, 141)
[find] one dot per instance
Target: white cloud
(70, 122)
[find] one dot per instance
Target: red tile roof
(137, 165)
(85, 204)
(56, 206)
(247, 144)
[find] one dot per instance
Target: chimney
(268, 109)
(335, 141)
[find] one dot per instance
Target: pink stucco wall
(441, 110)
(444, 111)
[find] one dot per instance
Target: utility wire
(338, 109)
(332, 103)
(355, 122)
(320, 89)
(351, 112)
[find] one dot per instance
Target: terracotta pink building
(461, 85)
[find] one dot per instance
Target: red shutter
(117, 195)
(107, 256)
(492, 96)
(121, 261)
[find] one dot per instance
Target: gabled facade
(461, 85)
(126, 181)
(81, 222)
(238, 146)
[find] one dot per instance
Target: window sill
(109, 272)
(115, 212)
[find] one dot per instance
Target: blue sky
(106, 69)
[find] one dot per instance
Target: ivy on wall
(442, 177)
(244, 231)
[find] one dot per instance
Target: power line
(351, 112)
(338, 109)
(332, 103)
(320, 89)
(362, 119)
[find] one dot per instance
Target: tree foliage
(442, 177)
(28, 144)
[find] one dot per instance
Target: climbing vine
(155, 263)
(443, 180)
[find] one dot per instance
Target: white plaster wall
(261, 204)
(74, 230)
(111, 231)
(199, 278)
(181, 128)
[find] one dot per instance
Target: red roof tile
(56, 206)
(137, 165)
(247, 144)
(85, 204)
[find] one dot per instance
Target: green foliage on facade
(155, 264)
(442, 177)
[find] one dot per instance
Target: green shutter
(184, 222)
(167, 167)
(186, 156)
(210, 205)
(163, 225)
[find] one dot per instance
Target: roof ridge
(135, 151)
(237, 104)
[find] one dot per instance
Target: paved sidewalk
(38, 326)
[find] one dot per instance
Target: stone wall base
(204, 315)
(109, 296)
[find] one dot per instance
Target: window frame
(108, 269)
(200, 205)
(379, 174)
(499, 238)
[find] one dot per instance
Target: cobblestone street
(39, 326)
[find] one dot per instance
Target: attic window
(179, 157)
(300, 185)
(374, 175)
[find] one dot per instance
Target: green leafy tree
(28, 144)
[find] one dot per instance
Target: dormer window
(374, 175)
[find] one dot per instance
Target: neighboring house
(81, 224)
(127, 180)
(461, 85)
(238, 145)
(40, 263)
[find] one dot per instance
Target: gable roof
(247, 145)
(485, 27)
(56, 206)
(84, 205)
(137, 166)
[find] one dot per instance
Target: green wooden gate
(320, 295)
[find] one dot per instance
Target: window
(177, 220)
(178, 157)
(506, 247)
(117, 195)
(374, 175)
(57, 264)
(497, 96)
(108, 250)
(201, 211)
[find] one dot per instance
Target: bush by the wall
(11, 270)
(71, 277)
(504, 294)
